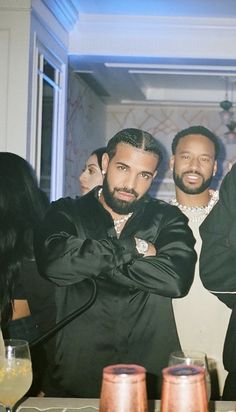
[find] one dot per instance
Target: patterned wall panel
(86, 126)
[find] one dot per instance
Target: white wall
(14, 66)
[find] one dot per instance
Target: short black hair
(99, 153)
(136, 138)
(196, 130)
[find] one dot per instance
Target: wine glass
(15, 372)
(192, 357)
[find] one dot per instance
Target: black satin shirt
(131, 320)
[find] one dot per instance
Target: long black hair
(22, 207)
(99, 153)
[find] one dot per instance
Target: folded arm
(65, 257)
(170, 272)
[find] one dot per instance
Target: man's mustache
(130, 191)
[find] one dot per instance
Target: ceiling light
(227, 115)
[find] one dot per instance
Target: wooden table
(91, 405)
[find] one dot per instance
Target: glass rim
(189, 353)
(181, 373)
(15, 342)
(124, 369)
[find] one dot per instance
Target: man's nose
(131, 181)
(195, 164)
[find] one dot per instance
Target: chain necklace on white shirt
(197, 213)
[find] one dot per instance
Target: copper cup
(123, 389)
(184, 389)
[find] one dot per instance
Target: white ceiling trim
(171, 68)
(188, 72)
(155, 37)
(176, 102)
(96, 19)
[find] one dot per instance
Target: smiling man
(194, 164)
(136, 251)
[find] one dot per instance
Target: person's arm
(170, 272)
(66, 258)
(218, 254)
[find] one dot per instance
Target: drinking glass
(15, 372)
(192, 357)
(123, 389)
(184, 389)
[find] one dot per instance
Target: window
(47, 142)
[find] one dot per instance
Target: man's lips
(125, 195)
(192, 177)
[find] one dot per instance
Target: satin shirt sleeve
(67, 257)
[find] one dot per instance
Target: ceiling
(155, 51)
(199, 8)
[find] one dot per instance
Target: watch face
(142, 246)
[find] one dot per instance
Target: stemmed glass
(192, 357)
(15, 372)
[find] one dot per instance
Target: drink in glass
(15, 372)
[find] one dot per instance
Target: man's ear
(172, 162)
(105, 162)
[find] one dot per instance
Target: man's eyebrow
(190, 151)
(185, 151)
(142, 171)
(122, 163)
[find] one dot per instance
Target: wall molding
(65, 12)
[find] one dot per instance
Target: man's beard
(119, 206)
(188, 190)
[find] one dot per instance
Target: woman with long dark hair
(26, 299)
(92, 175)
